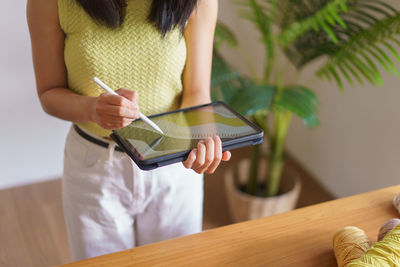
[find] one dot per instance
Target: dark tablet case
(153, 163)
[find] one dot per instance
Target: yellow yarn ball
(349, 243)
(383, 253)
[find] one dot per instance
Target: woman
(110, 204)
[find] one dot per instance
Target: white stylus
(143, 117)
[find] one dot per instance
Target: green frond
(370, 42)
(326, 18)
(383, 54)
(229, 86)
(252, 10)
(246, 104)
(376, 9)
(262, 14)
(334, 74)
(392, 50)
(300, 101)
(224, 35)
(373, 67)
(360, 15)
(226, 82)
(352, 71)
(345, 74)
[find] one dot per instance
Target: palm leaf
(224, 35)
(322, 16)
(262, 14)
(300, 101)
(369, 40)
(360, 15)
(372, 42)
(238, 91)
(226, 82)
(253, 98)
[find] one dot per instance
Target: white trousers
(112, 205)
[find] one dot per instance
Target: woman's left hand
(207, 156)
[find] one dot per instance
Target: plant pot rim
(287, 170)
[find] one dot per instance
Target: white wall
(31, 142)
(357, 147)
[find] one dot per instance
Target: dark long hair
(164, 14)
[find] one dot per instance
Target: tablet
(183, 129)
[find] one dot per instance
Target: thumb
(226, 156)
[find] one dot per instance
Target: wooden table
(302, 237)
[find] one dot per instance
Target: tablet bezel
(148, 164)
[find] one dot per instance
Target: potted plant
(352, 38)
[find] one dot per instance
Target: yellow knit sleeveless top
(133, 56)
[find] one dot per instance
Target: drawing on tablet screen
(200, 124)
(183, 130)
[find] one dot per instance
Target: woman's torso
(134, 56)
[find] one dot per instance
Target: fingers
(128, 94)
(207, 156)
(116, 111)
(112, 122)
(115, 100)
(131, 112)
(217, 155)
(200, 157)
(188, 163)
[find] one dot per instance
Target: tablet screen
(183, 130)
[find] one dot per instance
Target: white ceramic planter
(244, 207)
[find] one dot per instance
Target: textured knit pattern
(134, 56)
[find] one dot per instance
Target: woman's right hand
(115, 111)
